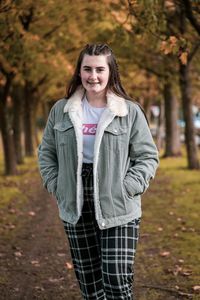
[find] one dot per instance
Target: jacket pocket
(63, 132)
(116, 130)
(116, 138)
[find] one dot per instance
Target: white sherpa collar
(115, 104)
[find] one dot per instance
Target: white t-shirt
(91, 116)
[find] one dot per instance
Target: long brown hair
(114, 83)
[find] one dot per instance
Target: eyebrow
(100, 67)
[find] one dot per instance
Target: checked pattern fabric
(103, 259)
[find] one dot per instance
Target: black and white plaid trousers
(103, 259)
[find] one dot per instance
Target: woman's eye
(99, 70)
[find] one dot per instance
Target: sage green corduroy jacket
(125, 160)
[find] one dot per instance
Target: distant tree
(167, 20)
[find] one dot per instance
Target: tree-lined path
(35, 258)
(35, 261)
(157, 47)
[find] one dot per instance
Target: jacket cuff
(52, 186)
(129, 186)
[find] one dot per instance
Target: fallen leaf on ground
(160, 229)
(177, 270)
(61, 254)
(164, 253)
(55, 280)
(69, 265)
(39, 288)
(18, 254)
(177, 287)
(36, 263)
(186, 272)
(10, 226)
(31, 213)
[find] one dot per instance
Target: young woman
(97, 157)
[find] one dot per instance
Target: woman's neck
(97, 99)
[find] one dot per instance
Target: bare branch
(6, 7)
(190, 15)
(27, 18)
(40, 82)
(56, 27)
(132, 12)
(193, 52)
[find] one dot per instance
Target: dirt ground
(34, 254)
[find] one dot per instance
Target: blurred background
(157, 45)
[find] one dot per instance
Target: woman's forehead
(94, 61)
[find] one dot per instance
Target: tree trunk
(17, 123)
(147, 108)
(160, 128)
(7, 132)
(192, 153)
(172, 134)
(28, 121)
(35, 108)
(45, 111)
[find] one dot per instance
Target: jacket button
(115, 130)
(103, 224)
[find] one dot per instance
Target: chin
(94, 90)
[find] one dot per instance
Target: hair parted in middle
(114, 82)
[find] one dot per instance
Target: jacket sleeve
(143, 156)
(47, 156)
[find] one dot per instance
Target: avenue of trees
(156, 44)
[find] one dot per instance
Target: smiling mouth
(92, 82)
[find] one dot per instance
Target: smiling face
(94, 74)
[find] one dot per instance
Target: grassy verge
(169, 255)
(169, 249)
(13, 199)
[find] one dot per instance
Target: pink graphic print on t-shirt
(89, 129)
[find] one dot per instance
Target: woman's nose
(93, 75)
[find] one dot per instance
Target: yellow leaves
(31, 39)
(169, 45)
(173, 40)
(121, 18)
(176, 46)
(183, 58)
(35, 37)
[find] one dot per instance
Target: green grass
(13, 199)
(171, 223)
